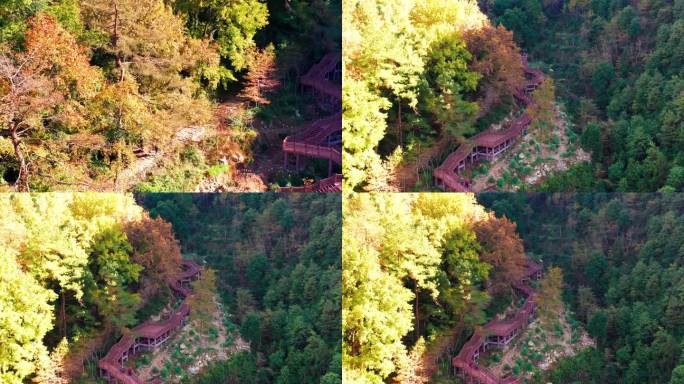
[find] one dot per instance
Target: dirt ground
(553, 160)
(194, 344)
(268, 160)
(407, 175)
(559, 347)
(244, 176)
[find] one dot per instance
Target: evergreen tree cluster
(618, 67)
(277, 261)
(621, 257)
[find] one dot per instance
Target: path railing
(148, 335)
(331, 184)
(488, 144)
(496, 334)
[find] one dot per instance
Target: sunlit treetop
(435, 19)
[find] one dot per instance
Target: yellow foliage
(6, 147)
(438, 18)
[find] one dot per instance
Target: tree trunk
(63, 315)
(122, 70)
(115, 43)
(115, 31)
(417, 313)
(401, 131)
(22, 180)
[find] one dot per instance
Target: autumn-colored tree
(160, 65)
(51, 369)
(502, 248)
(145, 38)
(548, 299)
(155, 248)
(26, 96)
(543, 110)
(497, 58)
(52, 71)
(203, 301)
(262, 75)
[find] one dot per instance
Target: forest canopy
(277, 259)
(622, 265)
(79, 271)
(422, 77)
(618, 68)
(416, 71)
(419, 270)
(129, 95)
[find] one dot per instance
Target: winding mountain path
(488, 144)
(149, 335)
(321, 139)
(497, 334)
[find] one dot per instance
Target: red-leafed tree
(503, 250)
(53, 71)
(155, 248)
(262, 75)
(497, 58)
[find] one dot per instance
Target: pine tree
(543, 111)
(262, 75)
(203, 301)
(549, 302)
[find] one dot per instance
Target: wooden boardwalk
(488, 144)
(497, 334)
(149, 335)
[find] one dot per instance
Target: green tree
(363, 126)
(113, 272)
(232, 24)
(591, 140)
(677, 375)
(549, 302)
(251, 329)
(597, 327)
(203, 300)
(447, 79)
(25, 319)
(601, 82)
(543, 111)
